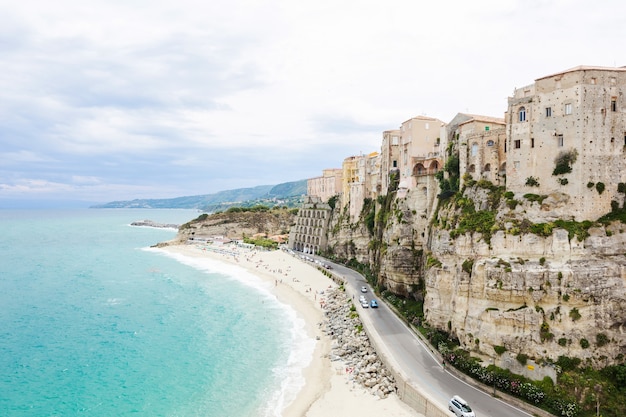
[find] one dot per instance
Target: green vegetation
(532, 182)
(600, 187)
(544, 332)
(431, 261)
(564, 161)
(601, 339)
(522, 358)
(578, 229)
(584, 343)
(499, 349)
(262, 242)
(535, 197)
(574, 314)
(468, 264)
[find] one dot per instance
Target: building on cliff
(361, 180)
(566, 137)
(482, 141)
(326, 186)
(309, 234)
(419, 152)
(389, 158)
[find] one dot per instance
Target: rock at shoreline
(150, 223)
(351, 344)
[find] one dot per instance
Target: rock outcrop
(499, 271)
(351, 344)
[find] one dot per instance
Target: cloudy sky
(122, 99)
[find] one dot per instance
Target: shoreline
(327, 389)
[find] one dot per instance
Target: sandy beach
(328, 391)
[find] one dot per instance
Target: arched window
(487, 168)
(471, 168)
(522, 114)
(490, 143)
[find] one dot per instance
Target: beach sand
(298, 283)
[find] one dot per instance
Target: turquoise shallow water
(93, 324)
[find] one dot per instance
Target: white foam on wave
(300, 345)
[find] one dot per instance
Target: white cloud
(123, 93)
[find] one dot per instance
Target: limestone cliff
(522, 281)
(498, 270)
(235, 224)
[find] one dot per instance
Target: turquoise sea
(94, 323)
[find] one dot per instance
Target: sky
(124, 99)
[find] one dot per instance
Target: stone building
(566, 138)
(389, 158)
(419, 152)
(482, 142)
(326, 186)
(309, 234)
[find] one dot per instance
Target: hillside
(237, 224)
(287, 194)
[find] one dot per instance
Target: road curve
(413, 359)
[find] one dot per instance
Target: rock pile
(351, 345)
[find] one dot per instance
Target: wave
(290, 377)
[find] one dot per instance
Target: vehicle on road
(362, 299)
(374, 304)
(364, 289)
(460, 407)
(364, 304)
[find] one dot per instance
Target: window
(426, 126)
(532, 142)
(568, 108)
(395, 164)
(518, 144)
(490, 143)
(516, 164)
(474, 148)
(394, 140)
(486, 128)
(560, 140)
(548, 111)
(614, 104)
(522, 114)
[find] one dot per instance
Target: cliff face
(235, 225)
(500, 270)
(545, 294)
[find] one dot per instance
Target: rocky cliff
(500, 272)
(237, 223)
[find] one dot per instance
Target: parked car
(362, 299)
(374, 304)
(364, 304)
(364, 289)
(460, 407)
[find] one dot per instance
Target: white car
(460, 407)
(363, 289)
(364, 304)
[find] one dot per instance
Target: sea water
(94, 323)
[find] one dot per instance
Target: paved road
(414, 360)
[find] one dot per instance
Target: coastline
(327, 390)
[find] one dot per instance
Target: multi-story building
(309, 234)
(326, 186)
(389, 158)
(481, 141)
(419, 152)
(566, 136)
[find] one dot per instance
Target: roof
(479, 118)
(584, 68)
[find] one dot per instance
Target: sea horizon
(95, 322)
